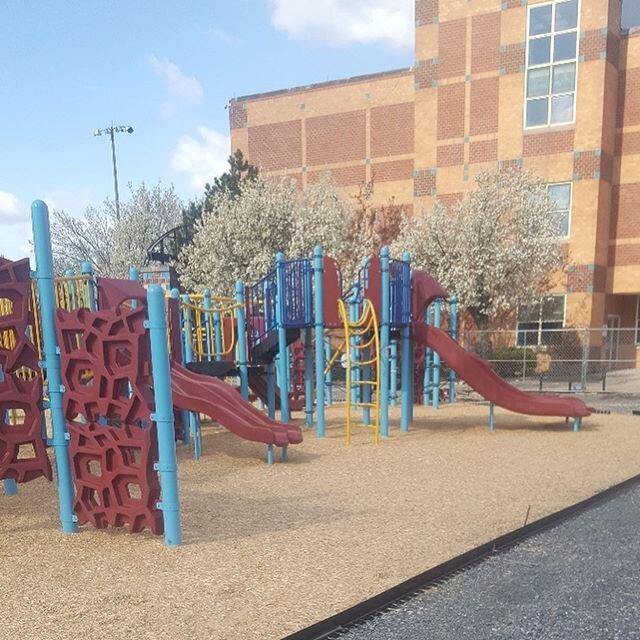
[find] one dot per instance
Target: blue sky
(167, 69)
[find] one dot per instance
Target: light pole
(111, 131)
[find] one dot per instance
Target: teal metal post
(453, 332)
(318, 321)
(206, 305)
(10, 487)
(194, 422)
(353, 344)
(437, 316)
(217, 334)
(406, 373)
(51, 351)
(328, 379)
(492, 417)
(167, 465)
(134, 275)
(87, 270)
(384, 343)
(271, 389)
(393, 373)
(175, 294)
(283, 360)
(241, 345)
(428, 369)
(308, 377)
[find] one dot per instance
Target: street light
(111, 131)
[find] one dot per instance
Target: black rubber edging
(340, 622)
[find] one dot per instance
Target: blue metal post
(435, 401)
(217, 335)
(393, 373)
(318, 321)
(271, 389)
(428, 369)
(328, 379)
(134, 275)
(453, 332)
(167, 465)
(492, 417)
(308, 377)
(384, 343)
(194, 422)
(353, 344)
(206, 305)
(10, 487)
(175, 294)
(283, 360)
(87, 270)
(241, 347)
(51, 351)
(406, 374)
(577, 424)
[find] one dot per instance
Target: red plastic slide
(475, 371)
(479, 375)
(220, 401)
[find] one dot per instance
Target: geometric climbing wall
(108, 402)
(23, 453)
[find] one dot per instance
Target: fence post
(585, 360)
(167, 465)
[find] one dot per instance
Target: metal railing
(569, 358)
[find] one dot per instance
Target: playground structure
(128, 372)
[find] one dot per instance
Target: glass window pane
(538, 82)
(537, 112)
(563, 224)
(562, 109)
(567, 15)
(564, 78)
(560, 196)
(565, 46)
(553, 309)
(540, 20)
(540, 50)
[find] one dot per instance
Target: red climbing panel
(107, 405)
(23, 454)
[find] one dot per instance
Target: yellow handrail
(362, 335)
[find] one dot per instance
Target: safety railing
(261, 308)
(400, 292)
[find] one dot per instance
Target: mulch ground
(268, 550)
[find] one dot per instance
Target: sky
(167, 69)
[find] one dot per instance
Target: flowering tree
(495, 249)
(112, 244)
(239, 237)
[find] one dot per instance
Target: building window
(552, 54)
(560, 199)
(537, 322)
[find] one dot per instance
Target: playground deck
(269, 550)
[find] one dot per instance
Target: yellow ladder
(363, 338)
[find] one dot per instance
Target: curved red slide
(475, 371)
(223, 403)
(480, 376)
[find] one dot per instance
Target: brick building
(553, 86)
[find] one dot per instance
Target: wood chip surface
(269, 550)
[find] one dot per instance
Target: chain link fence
(557, 359)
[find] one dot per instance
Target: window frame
(539, 330)
(569, 211)
(552, 34)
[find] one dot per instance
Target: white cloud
(203, 158)
(347, 21)
(178, 85)
(11, 211)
